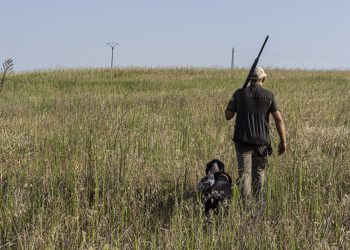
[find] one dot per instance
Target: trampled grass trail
(101, 159)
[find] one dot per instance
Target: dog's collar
(228, 179)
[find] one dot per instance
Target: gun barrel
(254, 64)
(262, 48)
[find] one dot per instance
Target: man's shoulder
(249, 92)
(267, 92)
(238, 91)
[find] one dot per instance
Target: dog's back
(219, 193)
(215, 187)
(223, 184)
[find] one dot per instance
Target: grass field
(101, 159)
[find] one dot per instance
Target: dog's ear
(228, 177)
(207, 169)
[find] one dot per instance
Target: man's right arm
(229, 115)
(281, 129)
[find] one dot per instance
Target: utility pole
(232, 58)
(112, 45)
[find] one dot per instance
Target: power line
(51, 45)
(299, 57)
(312, 58)
(234, 51)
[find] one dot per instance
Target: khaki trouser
(251, 170)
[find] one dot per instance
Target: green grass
(101, 159)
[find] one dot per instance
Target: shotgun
(251, 71)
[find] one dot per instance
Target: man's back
(253, 106)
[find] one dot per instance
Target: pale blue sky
(42, 34)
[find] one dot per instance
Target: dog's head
(214, 166)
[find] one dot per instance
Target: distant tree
(7, 67)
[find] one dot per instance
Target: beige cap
(258, 73)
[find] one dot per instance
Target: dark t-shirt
(253, 106)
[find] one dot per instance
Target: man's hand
(281, 129)
(229, 115)
(282, 147)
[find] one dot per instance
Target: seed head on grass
(7, 67)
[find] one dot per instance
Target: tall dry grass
(101, 159)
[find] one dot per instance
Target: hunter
(253, 106)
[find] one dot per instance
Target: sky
(47, 34)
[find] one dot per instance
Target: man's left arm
(231, 107)
(281, 128)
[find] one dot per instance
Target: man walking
(253, 106)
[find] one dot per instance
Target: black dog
(215, 187)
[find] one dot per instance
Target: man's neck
(257, 83)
